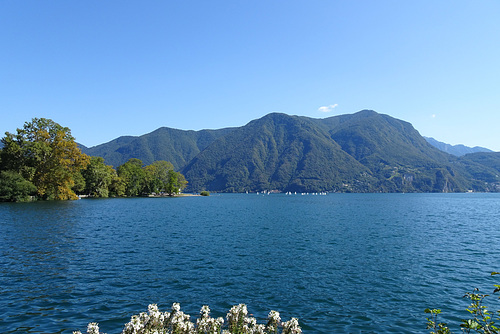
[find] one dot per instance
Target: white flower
(205, 310)
(156, 322)
(274, 316)
(93, 328)
(153, 308)
(252, 322)
(176, 307)
(292, 327)
(259, 329)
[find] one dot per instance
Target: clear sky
(111, 68)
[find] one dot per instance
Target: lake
(341, 263)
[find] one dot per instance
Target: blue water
(341, 263)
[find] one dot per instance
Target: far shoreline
(148, 196)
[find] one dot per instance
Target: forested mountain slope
(361, 152)
(484, 168)
(176, 146)
(277, 152)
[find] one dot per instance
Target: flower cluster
(177, 322)
(93, 328)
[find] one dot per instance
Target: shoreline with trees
(42, 161)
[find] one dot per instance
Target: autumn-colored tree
(45, 154)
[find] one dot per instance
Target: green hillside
(397, 155)
(361, 152)
(176, 146)
(276, 152)
(483, 168)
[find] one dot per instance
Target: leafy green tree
(181, 181)
(157, 176)
(134, 177)
(14, 188)
(172, 187)
(176, 183)
(98, 177)
(45, 154)
(118, 186)
(79, 185)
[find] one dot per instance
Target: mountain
(361, 152)
(484, 167)
(176, 146)
(457, 150)
(278, 151)
(396, 154)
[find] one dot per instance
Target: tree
(45, 154)
(134, 177)
(79, 181)
(156, 176)
(14, 188)
(98, 177)
(118, 186)
(176, 183)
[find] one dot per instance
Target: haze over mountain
(361, 152)
(458, 150)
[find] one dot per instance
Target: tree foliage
(134, 176)
(98, 177)
(43, 161)
(481, 319)
(45, 154)
(14, 188)
(176, 182)
(157, 178)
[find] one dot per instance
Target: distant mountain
(457, 150)
(484, 167)
(361, 152)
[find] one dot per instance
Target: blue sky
(111, 68)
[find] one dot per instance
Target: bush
(177, 322)
(14, 188)
(205, 193)
(482, 321)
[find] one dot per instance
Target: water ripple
(350, 263)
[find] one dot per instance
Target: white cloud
(327, 108)
(433, 115)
